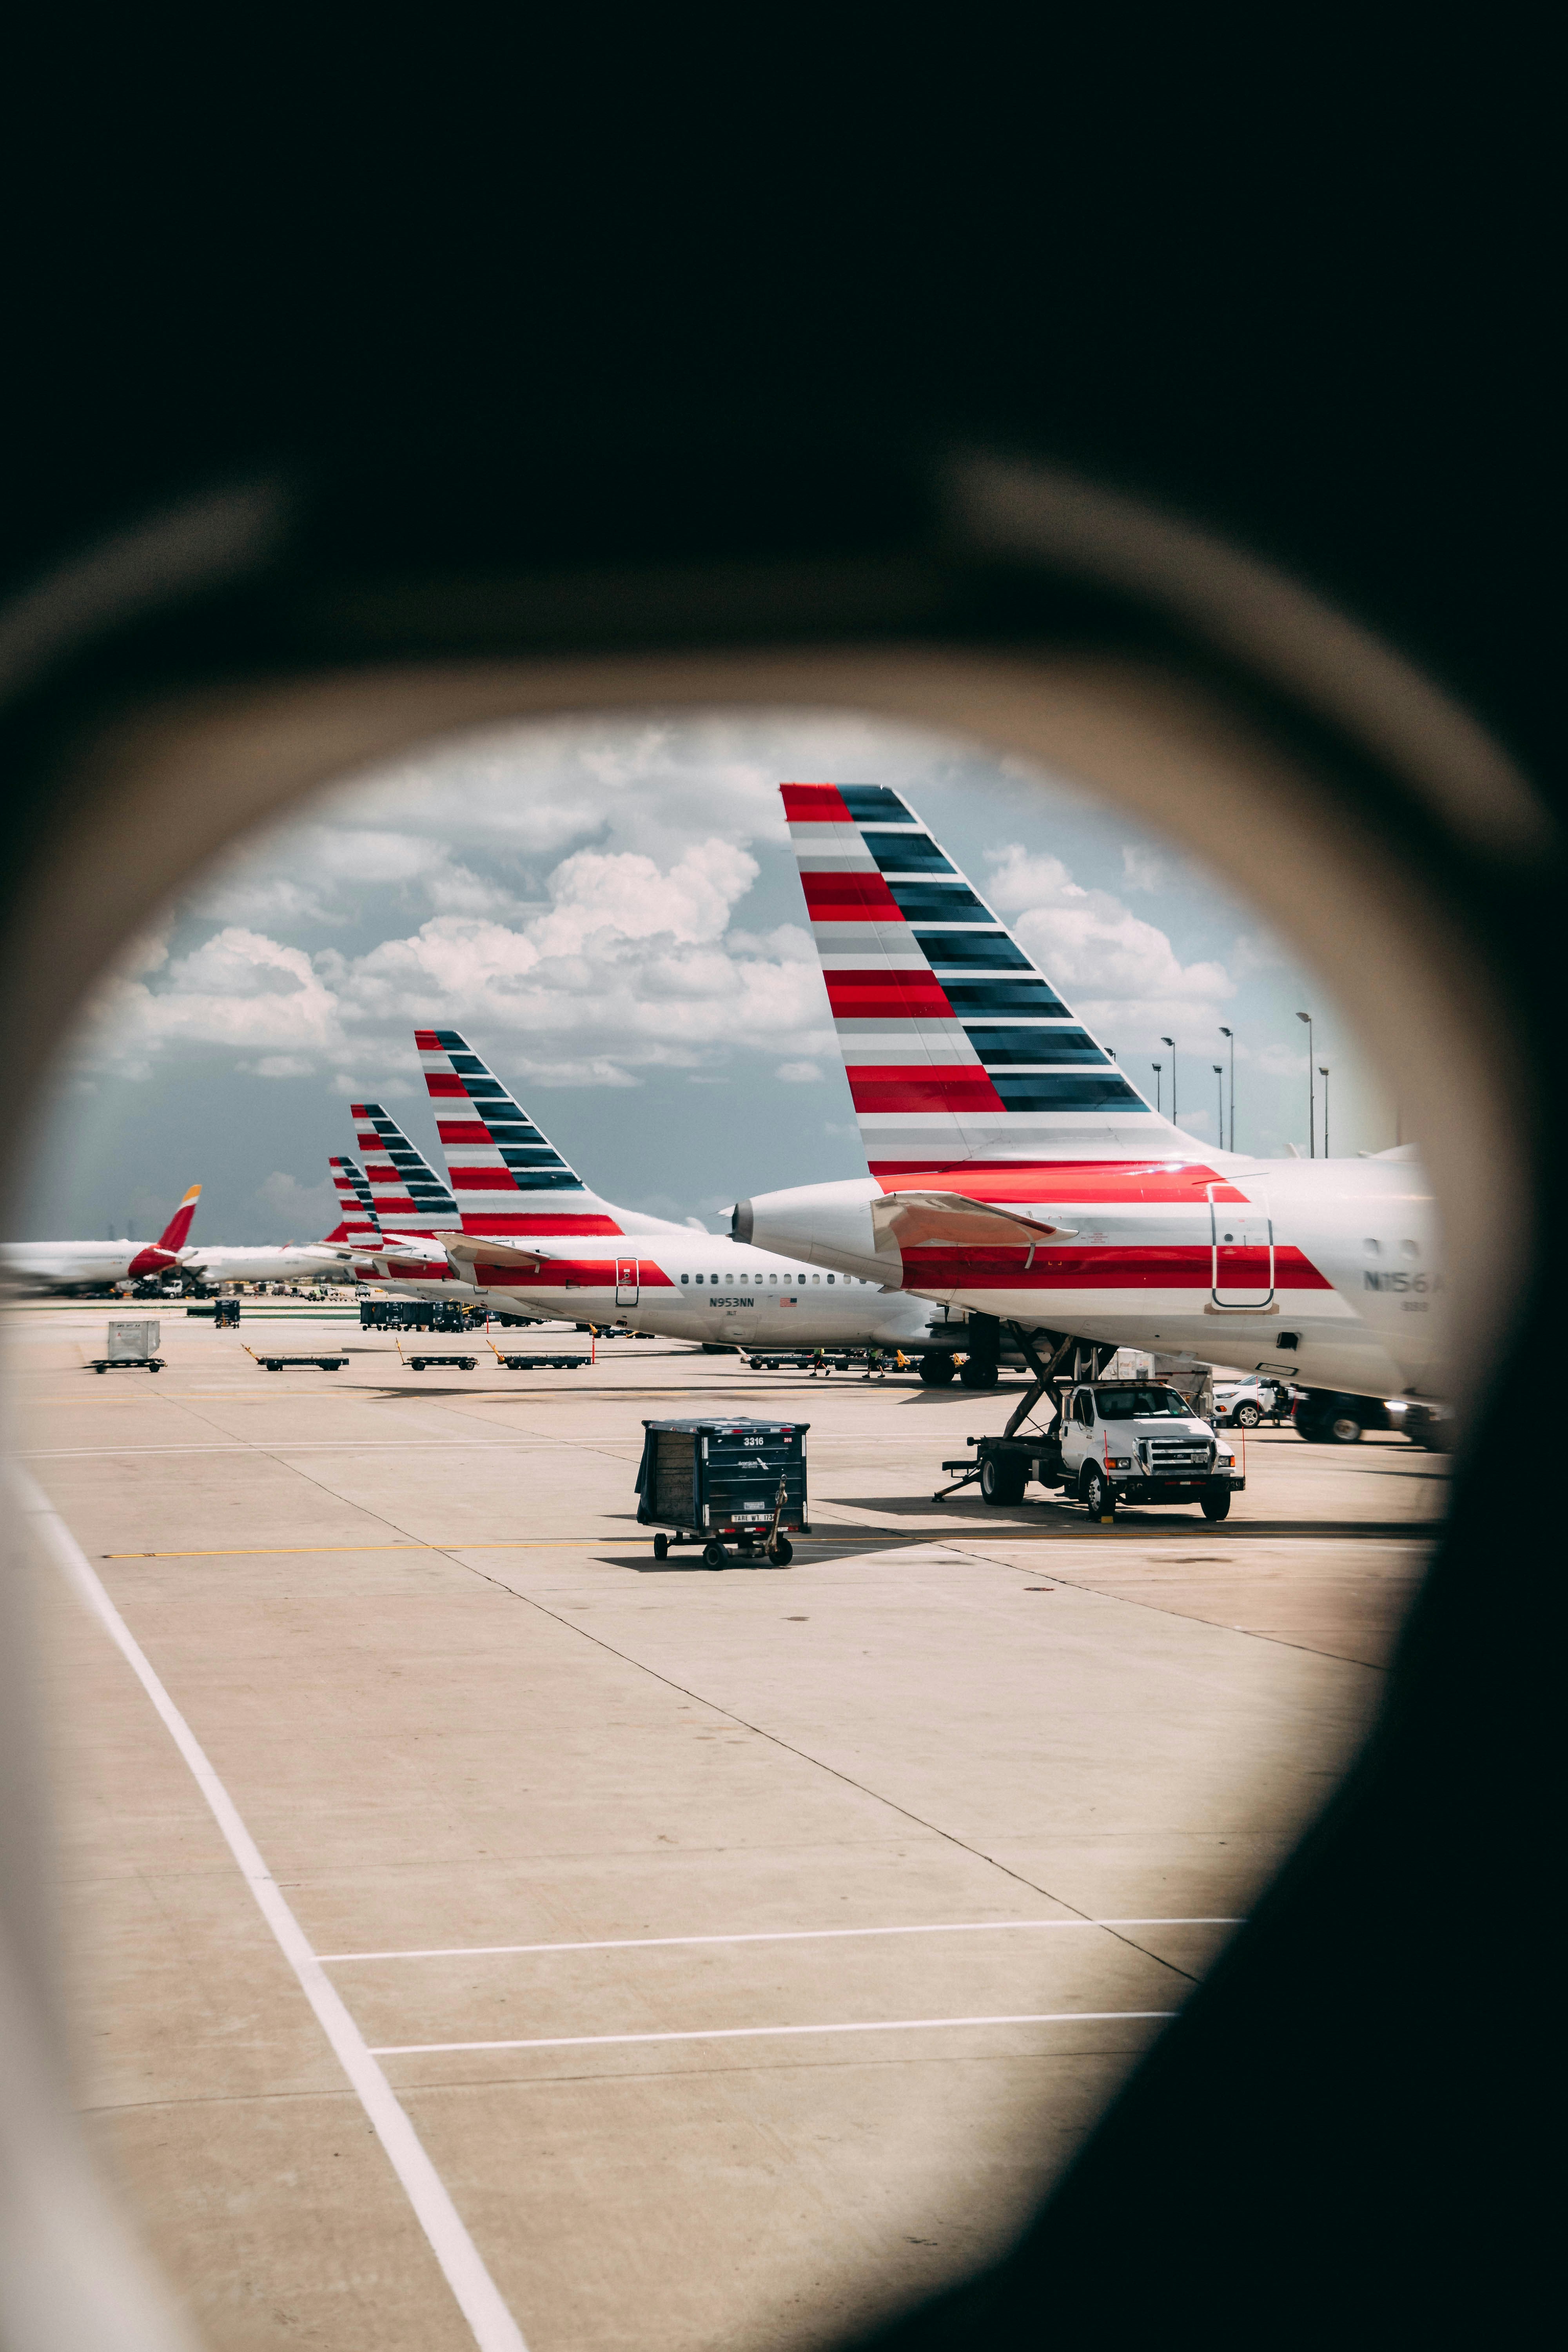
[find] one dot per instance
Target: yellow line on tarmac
(518, 1543)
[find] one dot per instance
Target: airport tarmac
(746, 1951)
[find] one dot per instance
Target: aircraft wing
(906, 1220)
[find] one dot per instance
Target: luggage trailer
(721, 1482)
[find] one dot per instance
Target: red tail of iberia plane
(1016, 1172)
(165, 1252)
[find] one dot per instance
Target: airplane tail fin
(172, 1236)
(959, 1050)
(507, 1175)
(357, 1222)
(405, 1192)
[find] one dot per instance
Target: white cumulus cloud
(1118, 973)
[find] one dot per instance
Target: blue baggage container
(722, 1481)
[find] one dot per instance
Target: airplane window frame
(1363, 763)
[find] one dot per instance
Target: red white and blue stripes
(407, 1195)
(356, 1215)
(957, 1047)
(507, 1176)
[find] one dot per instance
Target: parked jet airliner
(99, 1265)
(1016, 1172)
(521, 1227)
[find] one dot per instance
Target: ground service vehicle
(1327, 1417)
(1245, 1403)
(1113, 1441)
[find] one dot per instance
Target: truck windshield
(1128, 1404)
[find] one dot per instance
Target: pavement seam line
(771, 2033)
(878, 1797)
(477, 2295)
(762, 1936)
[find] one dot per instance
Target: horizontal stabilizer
(906, 1220)
(474, 1249)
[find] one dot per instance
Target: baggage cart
(721, 1482)
(132, 1346)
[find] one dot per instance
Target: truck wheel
(979, 1372)
(714, 1554)
(1001, 1479)
(1095, 1492)
(1343, 1429)
(1214, 1503)
(781, 1551)
(1249, 1415)
(661, 1546)
(936, 1370)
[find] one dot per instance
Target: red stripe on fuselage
(569, 1273)
(1157, 1266)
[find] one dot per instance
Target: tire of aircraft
(1216, 1504)
(1095, 1492)
(661, 1546)
(936, 1370)
(979, 1372)
(714, 1554)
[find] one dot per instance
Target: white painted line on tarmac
(765, 1935)
(476, 2294)
(757, 2032)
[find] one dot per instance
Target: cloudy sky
(612, 915)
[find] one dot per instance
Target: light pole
(1324, 1074)
(1171, 1043)
(1311, 1092)
(1156, 1067)
(1231, 1034)
(1219, 1090)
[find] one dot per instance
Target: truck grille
(1174, 1457)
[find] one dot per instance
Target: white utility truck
(1114, 1442)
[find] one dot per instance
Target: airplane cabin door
(627, 1289)
(1241, 1251)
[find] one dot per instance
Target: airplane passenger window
(418, 1005)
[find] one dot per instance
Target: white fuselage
(1225, 1260)
(93, 1265)
(269, 1262)
(683, 1285)
(66, 1265)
